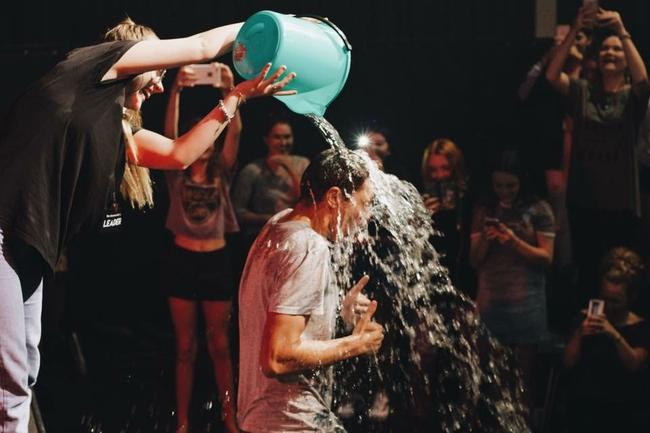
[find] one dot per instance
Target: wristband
(224, 110)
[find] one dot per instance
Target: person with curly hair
(607, 354)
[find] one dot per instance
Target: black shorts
(197, 276)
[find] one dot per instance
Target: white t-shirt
(287, 272)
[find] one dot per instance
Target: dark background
(423, 69)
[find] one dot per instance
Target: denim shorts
(197, 276)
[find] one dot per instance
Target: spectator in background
(643, 151)
(511, 247)
(607, 354)
(196, 271)
(268, 185)
(603, 191)
(549, 131)
(376, 141)
(444, 191)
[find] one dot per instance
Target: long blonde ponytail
(136, 184)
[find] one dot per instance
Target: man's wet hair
(334, 167)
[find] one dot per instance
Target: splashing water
(437, 360)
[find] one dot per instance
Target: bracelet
(222, 107)
(625, 36)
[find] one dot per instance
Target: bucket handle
(331, 24)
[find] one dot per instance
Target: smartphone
(596, 307)
(207, 74)
(491, 222)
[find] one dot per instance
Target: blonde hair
(448, 149)
(128, 30)
(136, 184)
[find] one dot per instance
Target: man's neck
(317, 218)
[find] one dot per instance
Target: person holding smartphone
(68, 146)
(511, 246)
(603, 191)
(196, 270)
(607, 354)
(444, 192)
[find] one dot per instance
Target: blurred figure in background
(607, 354)
(548, 131)
(376, 141)
(196, 270)
(444, 191)
(511, 247)
(603, 192)
(268, 185)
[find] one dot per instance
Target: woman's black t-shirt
(62, 150)
(600, 375)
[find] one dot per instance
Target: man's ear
(333, 197)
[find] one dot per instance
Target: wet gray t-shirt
(287, 272)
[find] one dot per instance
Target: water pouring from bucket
(311, 46)
(438, 358)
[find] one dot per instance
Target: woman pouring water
(61, 177)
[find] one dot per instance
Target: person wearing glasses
(63, 177)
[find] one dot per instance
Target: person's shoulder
(253, 167)
(300, 237)
(541, 206)
(300, 161)
(99, 49)
(290, 243)
(642, 323)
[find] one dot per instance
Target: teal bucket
(315, 49)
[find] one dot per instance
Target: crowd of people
(506, 246)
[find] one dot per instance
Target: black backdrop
(424, 69)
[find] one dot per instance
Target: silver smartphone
(596, 307)
(207, 74)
